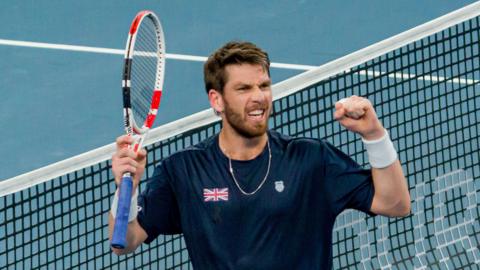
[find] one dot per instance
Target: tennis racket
(142, 84)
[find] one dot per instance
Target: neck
(238, 147)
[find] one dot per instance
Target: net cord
(280, 90)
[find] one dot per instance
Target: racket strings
(149, 32)
(145, 63)
(141, 96)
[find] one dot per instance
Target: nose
(258, 94)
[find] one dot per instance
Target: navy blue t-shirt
(287, 224)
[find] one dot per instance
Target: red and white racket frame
(119, 234)
(131, 127)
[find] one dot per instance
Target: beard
(242, 126)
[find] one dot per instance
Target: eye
(265, 86)
(243, 88)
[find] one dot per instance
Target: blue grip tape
(119, 237)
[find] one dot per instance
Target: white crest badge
(279, 186)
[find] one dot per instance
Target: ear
(216, 100)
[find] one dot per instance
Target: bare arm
(126, 160)
(135, 236)
(392, 197)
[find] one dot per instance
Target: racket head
(143, 75)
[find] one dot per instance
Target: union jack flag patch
(215, 194)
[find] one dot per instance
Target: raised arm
(392, 197)
(126, 160)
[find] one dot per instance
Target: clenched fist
(358, 115)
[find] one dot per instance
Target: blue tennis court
(59, 103)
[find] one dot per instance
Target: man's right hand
(126, 160)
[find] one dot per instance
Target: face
(246, 100)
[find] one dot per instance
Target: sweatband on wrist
(133, 206)
(381, 152)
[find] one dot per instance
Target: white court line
(182, 57)
(404, 76)
(281, 89)
(186, 57)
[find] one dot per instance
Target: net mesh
(426, 94)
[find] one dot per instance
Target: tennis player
(250, 197)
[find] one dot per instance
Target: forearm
(135, 235)
(391, 190)
(392, 197)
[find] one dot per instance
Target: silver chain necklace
(264, 179)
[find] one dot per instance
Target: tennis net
(424, 84)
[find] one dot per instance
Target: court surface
(59, 103)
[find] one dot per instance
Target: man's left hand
(358, 115)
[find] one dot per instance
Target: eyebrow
(267, 82)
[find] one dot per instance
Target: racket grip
(119, 237)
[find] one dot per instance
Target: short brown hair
(234, 52)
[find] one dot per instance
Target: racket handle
(119, 237)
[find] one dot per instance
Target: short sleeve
(159, 212)
(348, 184)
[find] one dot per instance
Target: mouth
(256, 115)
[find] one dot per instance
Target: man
(251, 198)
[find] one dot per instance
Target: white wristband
(381, 152)
(133, 206)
